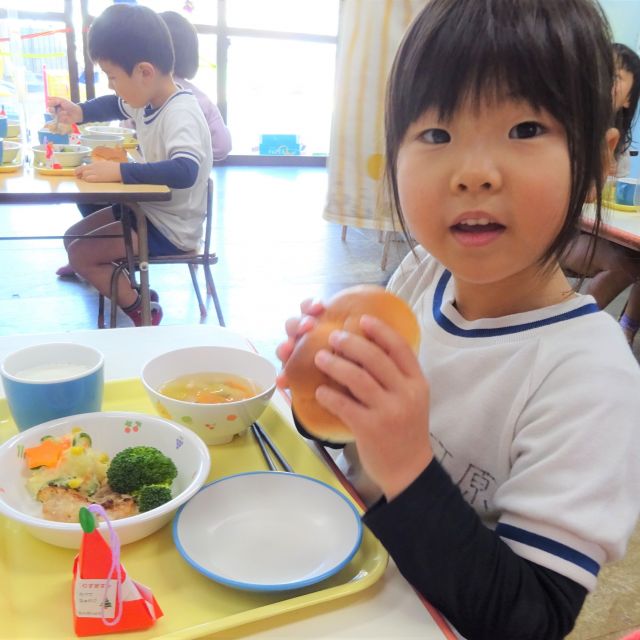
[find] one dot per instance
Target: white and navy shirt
(176, 145)
(534, 417)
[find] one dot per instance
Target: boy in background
(132, 46)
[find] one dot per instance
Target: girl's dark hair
(628, 60)
(185, 44)
(554, 54)
(127, 34)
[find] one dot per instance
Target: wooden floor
(275, 249)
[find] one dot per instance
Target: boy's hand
(296, 327)
(101, 171)
(67, 112)
(387, 407)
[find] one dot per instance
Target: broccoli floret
(136, 467)
(152, 496)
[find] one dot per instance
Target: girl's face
(622, 88)
(486, 192)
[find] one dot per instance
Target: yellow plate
(35, 574)
(608, 204)
(44, 171)
(10, 167)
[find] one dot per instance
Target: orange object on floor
(103, 602)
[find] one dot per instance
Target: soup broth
(209, 388)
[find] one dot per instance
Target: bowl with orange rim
(217, 392)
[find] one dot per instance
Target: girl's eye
(526, 130)
(436, 136)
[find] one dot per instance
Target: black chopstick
(263, 438)
(265, 453)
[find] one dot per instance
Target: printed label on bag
(91, 599)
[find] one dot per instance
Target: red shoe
(156, 315)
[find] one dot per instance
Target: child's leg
(92, 258)
(85, 226)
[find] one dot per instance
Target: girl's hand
(67, 112)
(101, 171)
(296, 327)
(388, 405)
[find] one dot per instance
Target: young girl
(504, 453)
(613, 268)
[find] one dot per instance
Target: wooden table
(620, 227)
(388, 609)
(26, 186)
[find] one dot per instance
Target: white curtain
(369, 35)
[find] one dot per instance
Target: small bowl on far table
(214, 423)
(44, 136)
(94, 140)
(66, 155)
(9, 151)
(13, 128)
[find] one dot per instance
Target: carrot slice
(46, 454)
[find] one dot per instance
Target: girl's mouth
(477, 233)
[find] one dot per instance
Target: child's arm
(435, 537)
(464, 569)
(100, 109)
(179, 173)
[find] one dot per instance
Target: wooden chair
(192, 260)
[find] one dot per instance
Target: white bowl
(66, 155)
(110, 432)
(94, 140)
(128, 134)
(214, 423)
(267, 531)
(9, 151)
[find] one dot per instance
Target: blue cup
(4, 126)
(626, 191)
(50, 381)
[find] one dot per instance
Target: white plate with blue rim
(267, 531)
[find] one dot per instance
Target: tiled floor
(275, 249)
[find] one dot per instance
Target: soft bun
(114, 154)
(343, 311)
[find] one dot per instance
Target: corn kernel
(77, 450)
(104, 458)
(74, 483)
(76, 430)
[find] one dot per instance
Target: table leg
(143, 263)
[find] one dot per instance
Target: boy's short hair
(127, 34)
(185, 44)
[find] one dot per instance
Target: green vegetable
(136, 467)
(82, 439)
(46, 438)
(152, 496)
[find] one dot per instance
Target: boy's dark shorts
(159, 245)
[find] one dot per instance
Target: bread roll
(114, 154)
(342, 312)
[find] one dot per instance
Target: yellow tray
(10, 167)
(609, 204)
(36, 577)
(45, 171)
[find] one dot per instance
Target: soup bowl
(128, 134)
(94, 140)
(214, 423)
(9, 151)
(13, 128)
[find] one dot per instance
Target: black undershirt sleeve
(464, 569)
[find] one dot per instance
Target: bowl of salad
(66, 155)
(139, 468)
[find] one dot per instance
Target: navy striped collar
(446, 324)
(151, 113)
